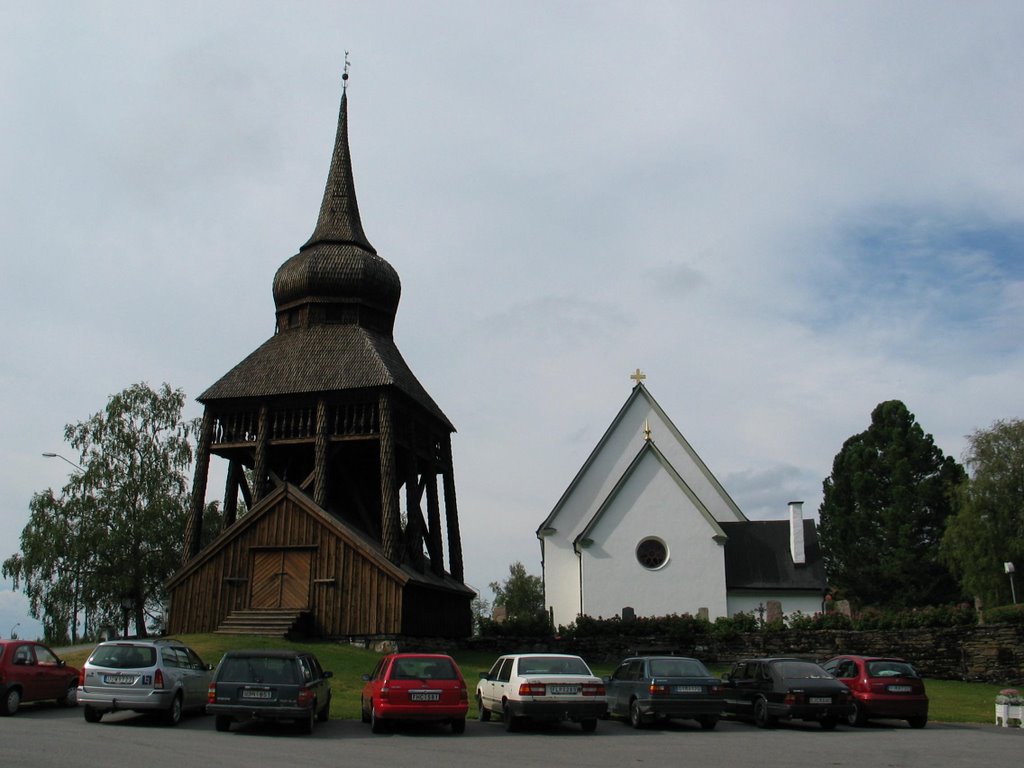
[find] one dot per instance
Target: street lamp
(14, 628)
(1008, 567)
(50, 455)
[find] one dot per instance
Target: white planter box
(1010, 715)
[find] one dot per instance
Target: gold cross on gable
(637, 376)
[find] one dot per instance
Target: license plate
(119, 679)
(687, 689)
(424, 695)
(563, 690)
(820, 700)
(900, 689)
(251, 694)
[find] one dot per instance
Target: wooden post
(320, 456)
(194, 524)
(451, 512)
(390, 523)
(260, 468)
(231, 495)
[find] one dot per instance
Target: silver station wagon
(161, 676)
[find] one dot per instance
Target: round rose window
(651, 553)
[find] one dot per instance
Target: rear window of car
(553, 665)
(889, 668)
(677, 668)
(259, 669)
(123, 656)
(412, 668)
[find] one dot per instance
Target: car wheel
(484, 714)
(376, 723)
(91, 714)
(918, 722)
(857, 717)
(70, 697)
(829, 723)
(11, 702)
(635, 718)
(761, 717)
(459, 725)
(173, 714)
(589, 725)
(325, 711)
(708, 722)
(222, 723)
(510, 720)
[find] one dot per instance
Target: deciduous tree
(521, 595)
(884, 512)
(109, 541)
(988, 527)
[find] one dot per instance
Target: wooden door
(280, 578)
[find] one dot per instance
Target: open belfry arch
(343, 460)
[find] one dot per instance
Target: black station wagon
(269, 685)
(769, 690)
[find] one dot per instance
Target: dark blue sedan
(646, 689)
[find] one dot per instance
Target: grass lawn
(950, 700)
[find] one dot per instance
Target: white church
(646, 526)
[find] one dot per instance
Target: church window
(652, 553)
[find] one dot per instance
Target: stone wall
(991, 653)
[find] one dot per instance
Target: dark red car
(415, 686)
(30, 671)
(883, 688)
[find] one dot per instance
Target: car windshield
(259, 669)
(802, 670)
(423, 669)
(677, 668)
(553, 665)
(123, 656)
(890, 668)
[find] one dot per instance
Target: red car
(882, 688)
(30, 671)
(415, 686)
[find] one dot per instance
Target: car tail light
(794, 697)
(532, 689)
(81, 676)
(657, 689)
(593, 689)
(385, 693)
(304, 697)
(158, 679)
(211, 694)
(463, 693)
(716, 690)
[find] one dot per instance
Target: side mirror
(366, 678)
(328, 674)
(61, 663)
(485, 676)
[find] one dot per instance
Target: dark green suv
(269, 685)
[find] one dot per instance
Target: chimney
(796, 532)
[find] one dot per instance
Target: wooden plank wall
(349, 594)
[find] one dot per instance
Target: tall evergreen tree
(884, 512)
(988, 527)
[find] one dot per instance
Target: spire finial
(637, 376)
(647, 431)
(344, 74)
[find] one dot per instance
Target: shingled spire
(339, 213)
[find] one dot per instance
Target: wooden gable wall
(349, 593)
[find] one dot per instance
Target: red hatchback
(415, 686)
(30, 671)
(882, 688)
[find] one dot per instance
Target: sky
(782, 213)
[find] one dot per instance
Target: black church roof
(757, 556)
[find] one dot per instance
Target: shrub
(1005, 614)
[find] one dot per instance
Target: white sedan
(541, 686)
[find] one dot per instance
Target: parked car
(541, 686)
(30, 671)
(270, 685)
(881, 688)
(772, 689)
(649, 688)
(163, 676)
(415, 686)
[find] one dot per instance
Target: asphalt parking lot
(42, 736)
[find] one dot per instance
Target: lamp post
(12, 630)
(51, 455)
(1009, 569)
